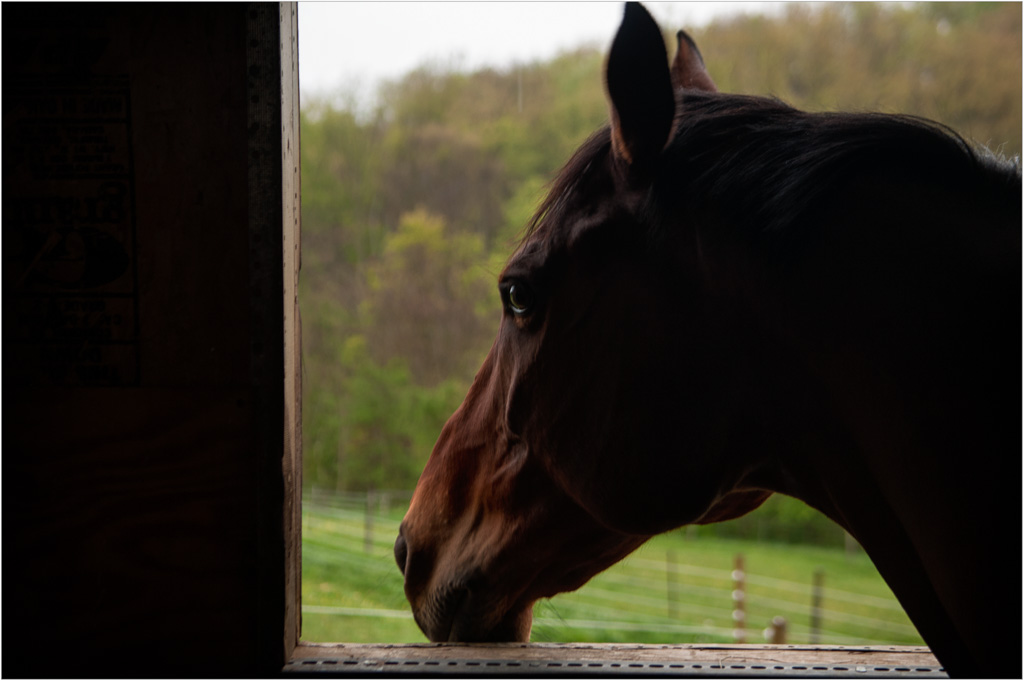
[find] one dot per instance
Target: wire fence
(355, 532)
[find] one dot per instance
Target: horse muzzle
(457, 614)
(458, 609)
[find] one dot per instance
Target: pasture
(674, 589)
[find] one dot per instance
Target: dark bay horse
(721, 298)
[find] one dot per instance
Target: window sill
(531, 659)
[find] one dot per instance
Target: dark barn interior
(150, 169)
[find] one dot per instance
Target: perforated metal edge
(533, 668)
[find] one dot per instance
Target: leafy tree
(388, 424)
(446, 171)
(341, 185)
(427, 298)
(957, 63)
(391, 373)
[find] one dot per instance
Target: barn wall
(147, 425)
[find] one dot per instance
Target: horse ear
(688, 67)
(640, 92)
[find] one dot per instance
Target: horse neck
(907, 312)
(908, 308)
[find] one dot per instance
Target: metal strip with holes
(589, 668)
(546, 659)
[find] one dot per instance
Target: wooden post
(776, 632)
(672, 583)
(817, 596)
(368, 522)
(739, 597)
(291, 221)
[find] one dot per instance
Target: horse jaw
(488, 532)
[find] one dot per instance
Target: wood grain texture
(291, 221)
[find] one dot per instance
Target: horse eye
(520, 299)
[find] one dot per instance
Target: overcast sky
(353, 45)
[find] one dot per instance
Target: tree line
(410, 210)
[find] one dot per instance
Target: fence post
(776, 631)
(739, 597)
(368, 522)
(817, 596)
(673, 587)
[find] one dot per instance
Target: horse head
(554, 467)
(723, 297)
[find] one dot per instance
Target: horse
(721, 298)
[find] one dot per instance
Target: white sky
(353, 45)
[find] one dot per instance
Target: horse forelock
(567, 183)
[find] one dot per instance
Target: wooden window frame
(476, 659)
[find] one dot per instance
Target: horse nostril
(401, 552)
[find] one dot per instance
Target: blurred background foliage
(410, 210)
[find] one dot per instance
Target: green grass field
(672, 590)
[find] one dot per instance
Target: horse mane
(762, 164)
